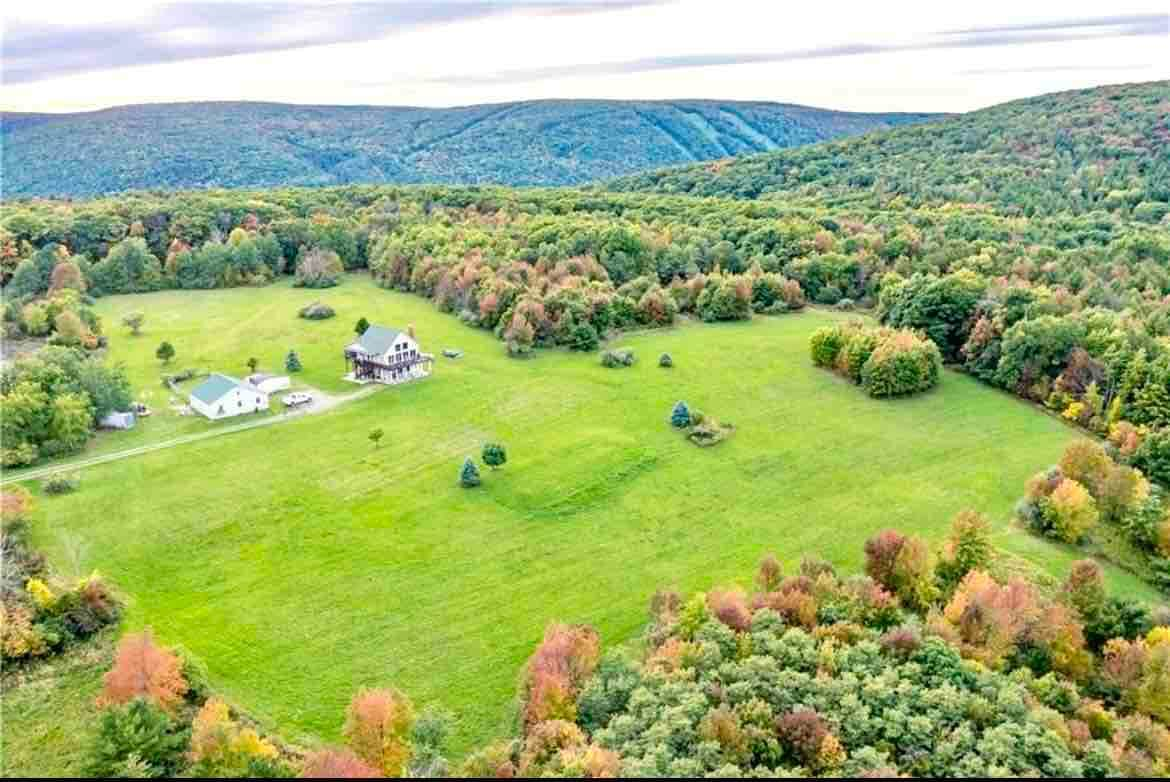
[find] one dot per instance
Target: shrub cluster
(61, 483)
(39, 614)
(1069, 500)
(316, 311)
(617, 358)
(885, 362)
(159, 719)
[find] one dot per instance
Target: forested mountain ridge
(1106, 148)
(549, 142)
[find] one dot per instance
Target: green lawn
(49, 719)
(300, 563)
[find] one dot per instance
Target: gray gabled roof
(376, 340)
(214, 387)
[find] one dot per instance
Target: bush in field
(61, 483)
(824, 344)
(680, 415)
(378, 726)
(142, 669)
(665, 361)
(469, 474)
(316, 311)
(134, 321)
(884, 361)
(165, 352)
(858, 349)
(494, 455)
(617, 358)
(137, 735)
(292, 362)
(319, 268)
(902, 363)
(1071, 512)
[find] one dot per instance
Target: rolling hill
(1106, 148)
(191, 145)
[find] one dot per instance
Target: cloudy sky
(70, 55)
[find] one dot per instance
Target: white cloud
(430, 64)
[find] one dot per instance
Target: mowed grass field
(301, 563)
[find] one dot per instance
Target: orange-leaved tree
(143, 669)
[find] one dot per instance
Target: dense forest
(192, 145)
(1098, 150)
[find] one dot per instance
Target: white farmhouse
(384, 355)
(220, 396)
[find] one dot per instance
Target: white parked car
(297, 398)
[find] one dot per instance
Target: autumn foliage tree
(337, 764)
(377, 727)
(143, 669)
(557, 670)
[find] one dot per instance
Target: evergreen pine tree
(681, 415)
(292, 361)
(468, 474)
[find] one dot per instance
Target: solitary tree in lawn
(292, 362)
(134, 321)
(494, 455)
(253, 362)
(165, 352)
(376, 435)
(361, 326)
(680, 416)
(468, 474)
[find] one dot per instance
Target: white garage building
(221, 396)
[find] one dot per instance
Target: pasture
(300, 562)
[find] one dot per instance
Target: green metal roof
(214, 387)
(376, 340)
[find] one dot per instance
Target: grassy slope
(264, 144)
(301, 563)
(49, 716)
